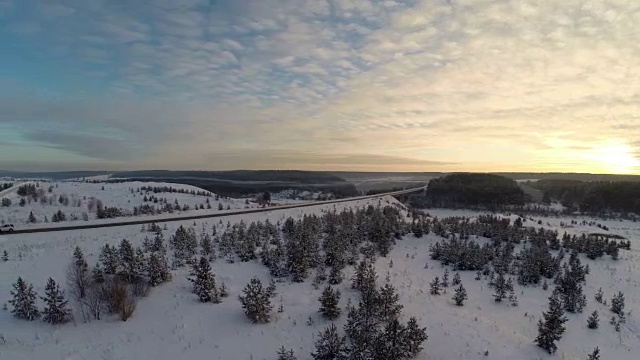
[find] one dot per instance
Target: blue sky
(393, 85)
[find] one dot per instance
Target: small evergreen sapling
(460, 295)
(445, 278)
(599, 296)
(617, 304)
(329, 303)
(224, 292)
(592, 321)
(435, 286)
(284, 354)
(595, 354)
(456, 279)
(513, 299)
(5, 256)
(271, 289)
(24, 301)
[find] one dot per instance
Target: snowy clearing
(171, 324)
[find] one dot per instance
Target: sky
(362, 85)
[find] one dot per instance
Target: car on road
(6, 228)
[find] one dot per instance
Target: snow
(171, 324)
(114, 195)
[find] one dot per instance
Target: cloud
(88, 145)
(56, 10)
(532, 84)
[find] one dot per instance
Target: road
(149, 220)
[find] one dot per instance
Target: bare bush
(91, 204)
(78, 279)
(127, 307)
(119, 298)
(94, 301)
(140, 287)
(115, 294)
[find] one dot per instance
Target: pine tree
(617, 304)
(460, 295)
(335, 275)
(207, 247)
(284, 354)
(599, 296)
(595, 355)
(445, 278)
(24, 301)
(414, 337)
(256, 302)
(158, 269)
(390, 344)
(592, 321)
(362, 330)
(97, 274)
(204, 283)
(109, 259)
(390, 307)
(329, 303)
(132, 262)
(501, 287)
(551, 329)
(56, 310)
(32, 218)
(456, 279)
(330, 345)
(146, 244)
(362, 270)
(435, 286)
(271, 289)
(158, 244)
(5, 256)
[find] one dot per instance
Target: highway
(148, 220)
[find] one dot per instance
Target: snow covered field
(80, 195)
(171, 324)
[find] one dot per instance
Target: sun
(615, 158)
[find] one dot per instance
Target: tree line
(598, 197)
(469, 190)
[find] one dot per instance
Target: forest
(469, 190)
(592, 197)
